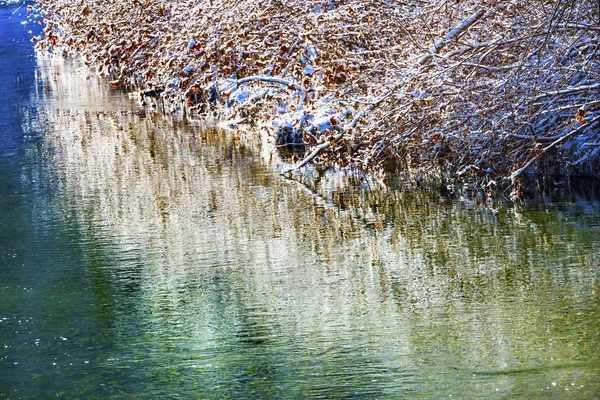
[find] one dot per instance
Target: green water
(148, 257)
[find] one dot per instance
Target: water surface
(143, 256)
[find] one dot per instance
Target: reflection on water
(187, 267)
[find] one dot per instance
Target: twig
(270, 79)
(515, 175)
(439, 45)
(567, 91)
(312, 155)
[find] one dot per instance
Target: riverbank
(478, 93)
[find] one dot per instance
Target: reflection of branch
(515, 175)
(319, 198)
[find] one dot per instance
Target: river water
(143, 256)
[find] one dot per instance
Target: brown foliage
(472, 90)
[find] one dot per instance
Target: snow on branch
(317, 150)
(439, 45)
(515, 175)
(567, 91)
(270, 79)
(422, 87)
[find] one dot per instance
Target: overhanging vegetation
(482, 90)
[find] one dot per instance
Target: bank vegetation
(480, 92)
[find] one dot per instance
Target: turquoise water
(143, 256)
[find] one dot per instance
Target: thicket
(481, 91)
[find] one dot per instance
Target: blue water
(17, 64)
(148, 257)
(34, 244)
